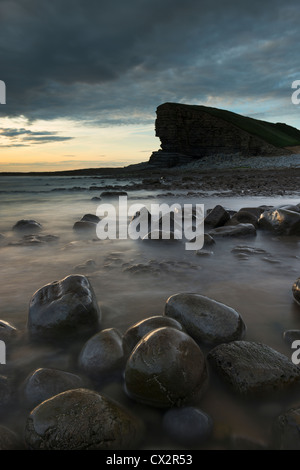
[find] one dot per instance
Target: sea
(132, 280)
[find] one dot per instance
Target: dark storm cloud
(115, 61)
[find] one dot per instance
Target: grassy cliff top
(277, 134)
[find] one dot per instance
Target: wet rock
(204, 253)
(90, 218)
(253, 368)
(248, 250)
(239, 230)
(205, 319)
(103, 354)
(217, 217)
(8, 439)
(243, 217)
(296, 291)
(256, 211)
(28, 240)
(112, 194)
(81, 419)
(136, 332)
(165, 369)
(280, 221)
(8, 332)
(84, 226)
(187, 426)
(64, 309)
(140, 224)
(290, 336)
(44, 383)
(285, 430)
(96, 199)
(27, 225)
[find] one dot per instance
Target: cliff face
(190, 131)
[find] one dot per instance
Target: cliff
(190, 132)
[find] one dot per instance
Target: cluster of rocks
(164, 361)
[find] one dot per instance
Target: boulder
(103, 354)
(27, 225)
(81, 419)
(136, 332)
(243, 217)
(280, 221)
(187, 426)
(44, 383)
(217, 217)
(205, 320)
(64, 309)
(253, 368)
(166, 369)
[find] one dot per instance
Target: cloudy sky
(84, 77)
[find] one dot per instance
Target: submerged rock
(64, 309)
(8, 439)
(45, 383)
(81, 419)
(136, 332)
(27, 225)
(253, 368)
(187, 426)
(205, 319)
(103, 354)
(165, 369)
(239, 230)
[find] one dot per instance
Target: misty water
(133, 279)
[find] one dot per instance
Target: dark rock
(204, 319)
(64, 309)
(253, 368)
(256, 211)
(285, 430)
(45, 383)
(112, 194)
(165, 369)
(84, 226)
(248, 250)
(136, 332)
(280, 221)
(26, 225)
(240, 230)
(187, 426)
(96, 199)
(28, 240)
(243, 217)
(244, 443)
(103, 354)
(81, 419)
(90, 218)
(217, 217)
(6, 392)
(296, 291)
(7, 331)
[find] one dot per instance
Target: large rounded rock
(27, 225)
(166, 368)
(187, 426)
(81, 419)
(103, 354)
(285, 431)
(280, 221)
(45, 383)
(205, 319)
(217, 217)
(136, 332)
(64, 309)
(253, 368)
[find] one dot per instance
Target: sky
(84, 77)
